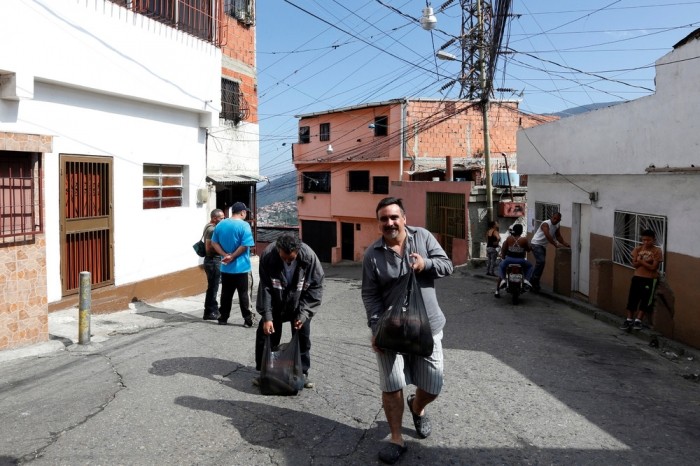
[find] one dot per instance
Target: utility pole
(474, 41)
(485, 102)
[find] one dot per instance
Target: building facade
(105, 112)
(348, 159)
(615, 171)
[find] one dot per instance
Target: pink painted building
(350, 158)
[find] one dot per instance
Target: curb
(670, 349)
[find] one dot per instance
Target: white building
(104, 118)
(614, 171)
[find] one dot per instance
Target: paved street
(538, 383)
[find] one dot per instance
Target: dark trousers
(231, 283)
(540, 253)
(304, 342)
(212, 267)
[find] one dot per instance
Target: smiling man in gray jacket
(401, 250)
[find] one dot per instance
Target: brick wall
(239, 45)
(23, 298)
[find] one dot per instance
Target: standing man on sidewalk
(290, 290)
(548, 232)
(402, 250)
(232, 239)
(212, 267)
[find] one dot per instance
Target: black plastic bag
(404, 327)
(281, 373)
(200, 248)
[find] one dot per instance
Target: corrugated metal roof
(233, 178)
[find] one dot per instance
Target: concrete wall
(102, 81)
(607, 152)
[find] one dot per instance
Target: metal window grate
(20, 213)
(626, 235)
(199, 18)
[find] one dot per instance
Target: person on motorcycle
(514, 251)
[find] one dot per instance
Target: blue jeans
(540, 253)
(212, 267)
(515, 260)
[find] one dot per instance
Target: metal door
(445, 215)
(581, 248)
(86, 221)
(347, 241)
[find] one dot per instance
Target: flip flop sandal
(391, 453)
(422, 423)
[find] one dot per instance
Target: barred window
(325, 132)
(627, 234)
(162, 186)
(20, 194)
(543, 212)
(230, 101)
(242, 10)
(316, 182)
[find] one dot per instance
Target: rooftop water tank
(499, 179)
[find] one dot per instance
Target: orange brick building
(349, 158)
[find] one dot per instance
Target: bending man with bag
(402, 250)
(290, 290)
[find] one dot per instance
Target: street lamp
(428, 21)
(442, 55)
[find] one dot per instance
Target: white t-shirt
(540, 239)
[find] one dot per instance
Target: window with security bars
(230, 101)
(325, 132)
(358, 180)
(194, 17)
(242, 10)
(543, 212)
(316, 182)
(627, 232)
(162, 186)
(20, 194)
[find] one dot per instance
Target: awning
(234, 178)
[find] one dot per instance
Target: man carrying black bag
(402, 250)
(290, 290)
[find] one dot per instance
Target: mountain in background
(584, 108)
(277, 201)
(280, 189)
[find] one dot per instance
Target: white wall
(661, 129)
(608, 150)
(105, 82)
(235, 149)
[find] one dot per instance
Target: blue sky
(316, 55)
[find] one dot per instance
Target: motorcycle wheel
(515, 296)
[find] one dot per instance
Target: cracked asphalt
(537, 383)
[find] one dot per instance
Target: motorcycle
(515, 282)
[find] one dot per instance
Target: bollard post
(84, 309)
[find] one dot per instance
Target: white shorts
(398, 370)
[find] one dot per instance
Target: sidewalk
(63, 325)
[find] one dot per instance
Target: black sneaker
(637, 325)
(211, 317)
(626, 325)
(248, 323)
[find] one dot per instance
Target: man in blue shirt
(232, 239)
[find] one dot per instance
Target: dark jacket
(289, 301)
